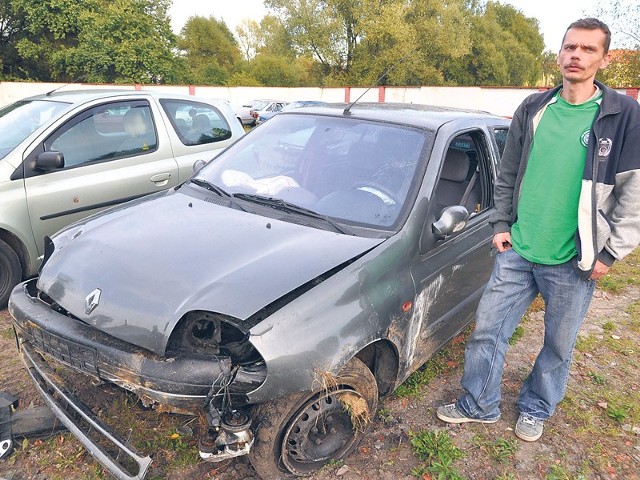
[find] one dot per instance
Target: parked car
(266, 115)
(266, 106)
(66, 155)
(243, 113)
(312, 267)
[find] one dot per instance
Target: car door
(113, 152)
(198, 131)
(451, 271)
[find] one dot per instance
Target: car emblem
(92, 301)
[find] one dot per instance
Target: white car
(66, 155)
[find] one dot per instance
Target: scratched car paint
(308, 270)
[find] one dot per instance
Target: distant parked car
(66, 155)
(266, 107)
(314, 265)
(266, 115)
(243, 113)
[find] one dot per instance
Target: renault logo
(92, 301)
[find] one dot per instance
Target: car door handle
(161, 179)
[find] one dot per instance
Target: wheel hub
(321, 431)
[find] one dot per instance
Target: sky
(553, 15)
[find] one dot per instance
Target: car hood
(154, 261)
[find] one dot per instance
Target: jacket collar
(610, 100)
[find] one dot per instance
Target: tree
(506, 49)
(210, 50)
(125, 41)
(95, 40)
(11, 26)
(623, 18)
(624, 69)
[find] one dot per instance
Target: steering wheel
(383, 193)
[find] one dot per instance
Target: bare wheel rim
(321, 431)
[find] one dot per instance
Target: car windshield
(21, 119)
(353, 171)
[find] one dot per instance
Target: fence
(497, 100)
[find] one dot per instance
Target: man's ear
(605, 61)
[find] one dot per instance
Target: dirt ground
(386, 453)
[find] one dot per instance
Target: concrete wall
(500, 101)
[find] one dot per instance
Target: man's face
(582, 55)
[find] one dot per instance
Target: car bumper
(181, 383)
(47, 338)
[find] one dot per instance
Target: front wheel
(299, 434)
(10, 272)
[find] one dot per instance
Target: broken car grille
(66, 351)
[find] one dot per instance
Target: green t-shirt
(548, 207)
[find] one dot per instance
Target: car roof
(81, 96)
(426, 116)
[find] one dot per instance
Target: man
(566, 207)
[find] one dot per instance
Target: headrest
(133, 122)
(456, 166)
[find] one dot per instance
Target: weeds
(517, 335)
(595, 378)
(438, 452)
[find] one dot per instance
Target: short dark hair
(592, 24)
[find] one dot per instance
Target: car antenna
(347, 110)
(64, 85)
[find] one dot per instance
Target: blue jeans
(514, 284)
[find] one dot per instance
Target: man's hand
(600, 270)
(502, 241)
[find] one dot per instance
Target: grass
(437, 452)
(598, 416)
(7, 333)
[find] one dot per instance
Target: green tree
(623, 18)
(95, 40)
(11, 27)
(624, 69)
(210, 50)
(506, 49)
(125, 41)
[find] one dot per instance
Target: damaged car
(277, 294)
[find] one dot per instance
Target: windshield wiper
(217, 190)
(284, 206)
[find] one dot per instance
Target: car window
(500, 135)
(105, 132)
(20, 119)
(465, 175)
(196, 123)
(355, 171)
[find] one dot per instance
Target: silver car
(66, 155)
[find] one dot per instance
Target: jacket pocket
(603, 232)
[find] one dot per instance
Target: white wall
(500, 101)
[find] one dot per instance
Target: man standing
(567, 205)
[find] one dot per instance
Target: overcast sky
(553, 15)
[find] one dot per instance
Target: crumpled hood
(156, 260)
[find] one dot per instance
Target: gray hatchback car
(67, 154)
(309, 269)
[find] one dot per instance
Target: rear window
(196, 123)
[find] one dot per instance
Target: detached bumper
(80, 421)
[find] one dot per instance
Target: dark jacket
(609, 207)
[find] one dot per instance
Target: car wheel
(10, 272)
(297, 435)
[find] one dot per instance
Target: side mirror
(48, 161)
(198, 164)
(452, 220)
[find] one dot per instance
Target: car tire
(10, 272)
(299, 434)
